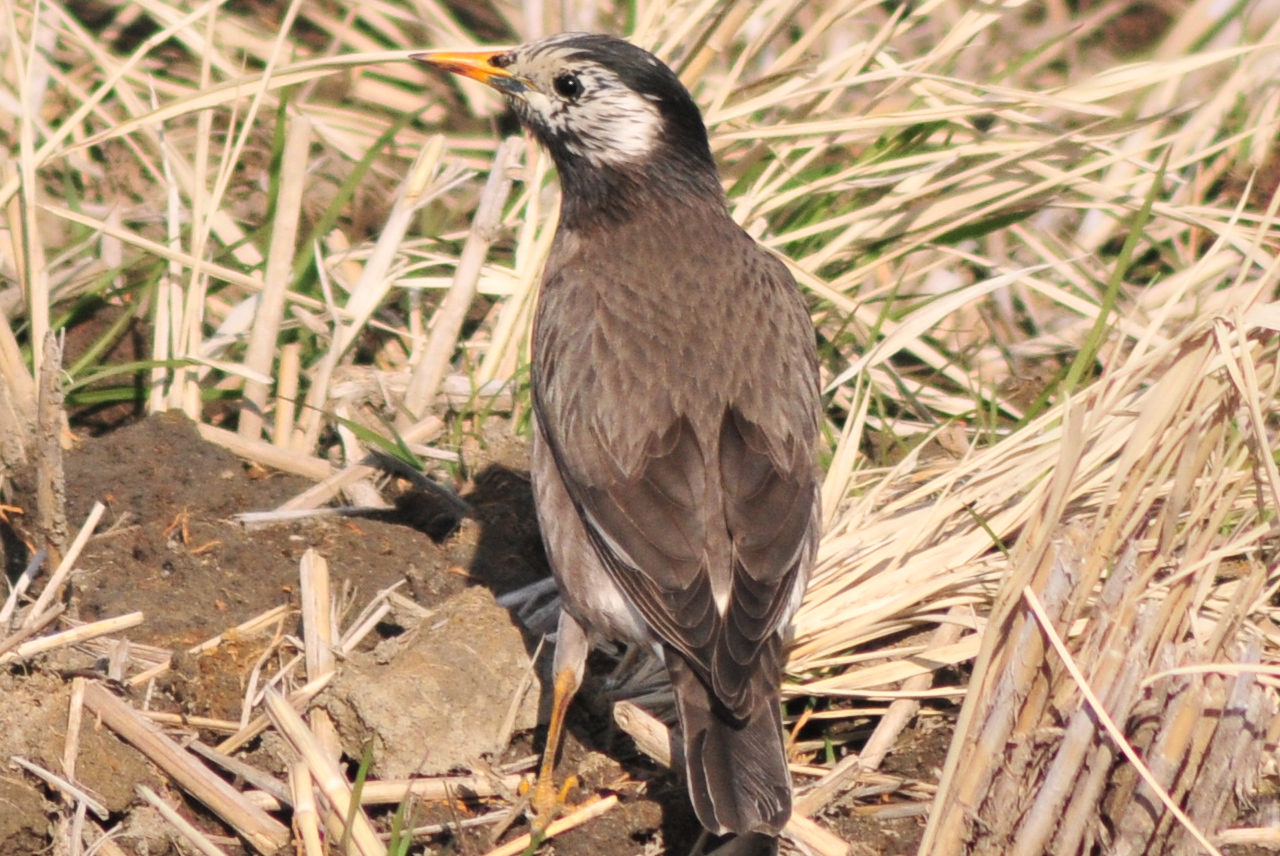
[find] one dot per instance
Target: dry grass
(1043, 272)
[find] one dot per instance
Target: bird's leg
(626, 665)
(570, 660)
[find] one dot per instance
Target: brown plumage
(676, 394)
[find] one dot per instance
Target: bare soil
(168, 547)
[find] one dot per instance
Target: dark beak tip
(438, 58)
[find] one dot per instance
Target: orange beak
(477, 65)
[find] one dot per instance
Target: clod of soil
(33, 726)
(176, 554)
(438, 696)
(23, 824)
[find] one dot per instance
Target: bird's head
(618, 123)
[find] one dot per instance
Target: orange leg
(571, 656)
(545, 801)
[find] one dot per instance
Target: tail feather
(736, 767)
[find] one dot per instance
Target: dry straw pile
(1041, 255)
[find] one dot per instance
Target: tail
(736, 767)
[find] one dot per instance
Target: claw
(569, 784)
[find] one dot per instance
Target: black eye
(568, 85)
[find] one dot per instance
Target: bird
(676, 404)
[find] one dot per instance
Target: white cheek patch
(538, 103)
(609, 125)
(616, 126)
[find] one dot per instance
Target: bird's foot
(548, 803)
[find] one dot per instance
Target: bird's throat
(594, 197)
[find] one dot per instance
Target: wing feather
(701, 504)
(651, 532)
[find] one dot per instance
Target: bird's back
(678, 312)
